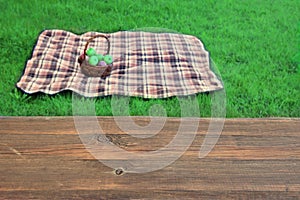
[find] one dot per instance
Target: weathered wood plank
(44, 158)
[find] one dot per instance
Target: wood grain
(44, 158)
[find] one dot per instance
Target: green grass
(255, 45)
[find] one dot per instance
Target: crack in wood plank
(13, 150)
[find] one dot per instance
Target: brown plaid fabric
(149, 65)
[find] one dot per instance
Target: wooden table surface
(44, 158)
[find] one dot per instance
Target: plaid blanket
(149, 65)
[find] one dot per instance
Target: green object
(93, 60)
(100, 57)
(108, 59)
(91, 52)
(241, 36)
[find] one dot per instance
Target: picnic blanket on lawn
(146, 64)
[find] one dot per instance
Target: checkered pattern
(149, 65)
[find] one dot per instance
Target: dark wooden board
(44, 158)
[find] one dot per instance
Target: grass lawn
(254, 44)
